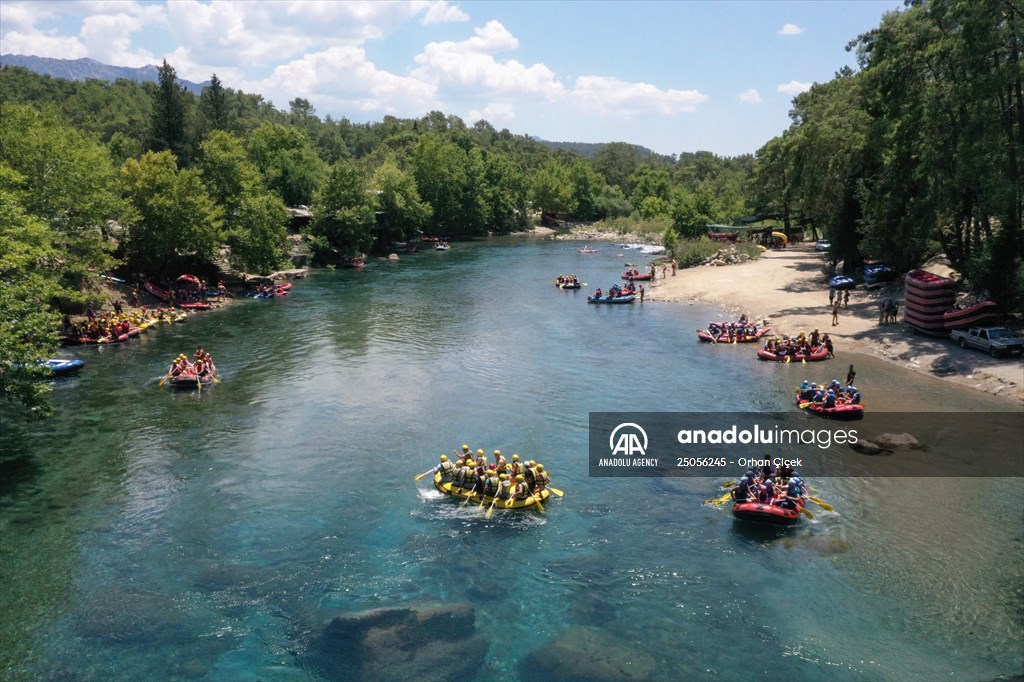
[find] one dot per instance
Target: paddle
(164, 380)
(556, 491)
(419, 476)
(468, 498)
(723, 499)
(806, 512)
(540, 506)
(490, 510)
(821, 503)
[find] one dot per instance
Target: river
(152, 535)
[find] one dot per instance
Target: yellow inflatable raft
(476, 498)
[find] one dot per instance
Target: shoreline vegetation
(788, 288)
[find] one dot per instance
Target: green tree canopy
(173, 213)
(403, 212)
(344, 213)
(29, 274)
(66, 181)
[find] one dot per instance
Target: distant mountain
(84, 69)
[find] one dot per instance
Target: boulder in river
(399, 644)
(592, 655)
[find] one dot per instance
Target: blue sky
(672, 76)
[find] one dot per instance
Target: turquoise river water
(150, 535)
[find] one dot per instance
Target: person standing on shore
(831, 296)
(835, 313)
(641, 293)
(828, 345)
(850, 375)
(846, 298)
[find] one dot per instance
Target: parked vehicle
(822, 245)
(996, 341)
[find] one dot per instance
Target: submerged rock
(866, 447)
(592, 655)
(399, 644)
(895, 440)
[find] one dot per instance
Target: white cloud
(790, 30)
(613, 97)
(16, 17)
(343, 78)
(42, 45)
(751, 96)
(495, 112)
(794, 87)
(442, 13)
(108, 38)
(470, 64)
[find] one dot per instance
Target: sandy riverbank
(788, 288)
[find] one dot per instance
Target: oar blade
(822, 503)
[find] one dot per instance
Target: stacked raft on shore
(930, 305)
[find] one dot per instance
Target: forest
(918, 151)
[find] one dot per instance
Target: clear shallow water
(151, 535)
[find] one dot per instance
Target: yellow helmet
(444, 458)
(520, 477)
(503, 476)
(515, 458)
(465, 448)
(540, 467)
(480, 452)
(470, 463)
(532, 463)
(497, 453)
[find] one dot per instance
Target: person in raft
(541, 479)
(179, 366)
(465, 475)
(794, 492)
(522, 490)
(492, 484)
(446, 469)
(504, 486)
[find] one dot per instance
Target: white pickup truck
(996, 341)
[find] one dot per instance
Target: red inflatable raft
(707, 337)
(766, 513)
(637, 276)
(819, 353)
(840, 411)
(186, 382)
(165, 295)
